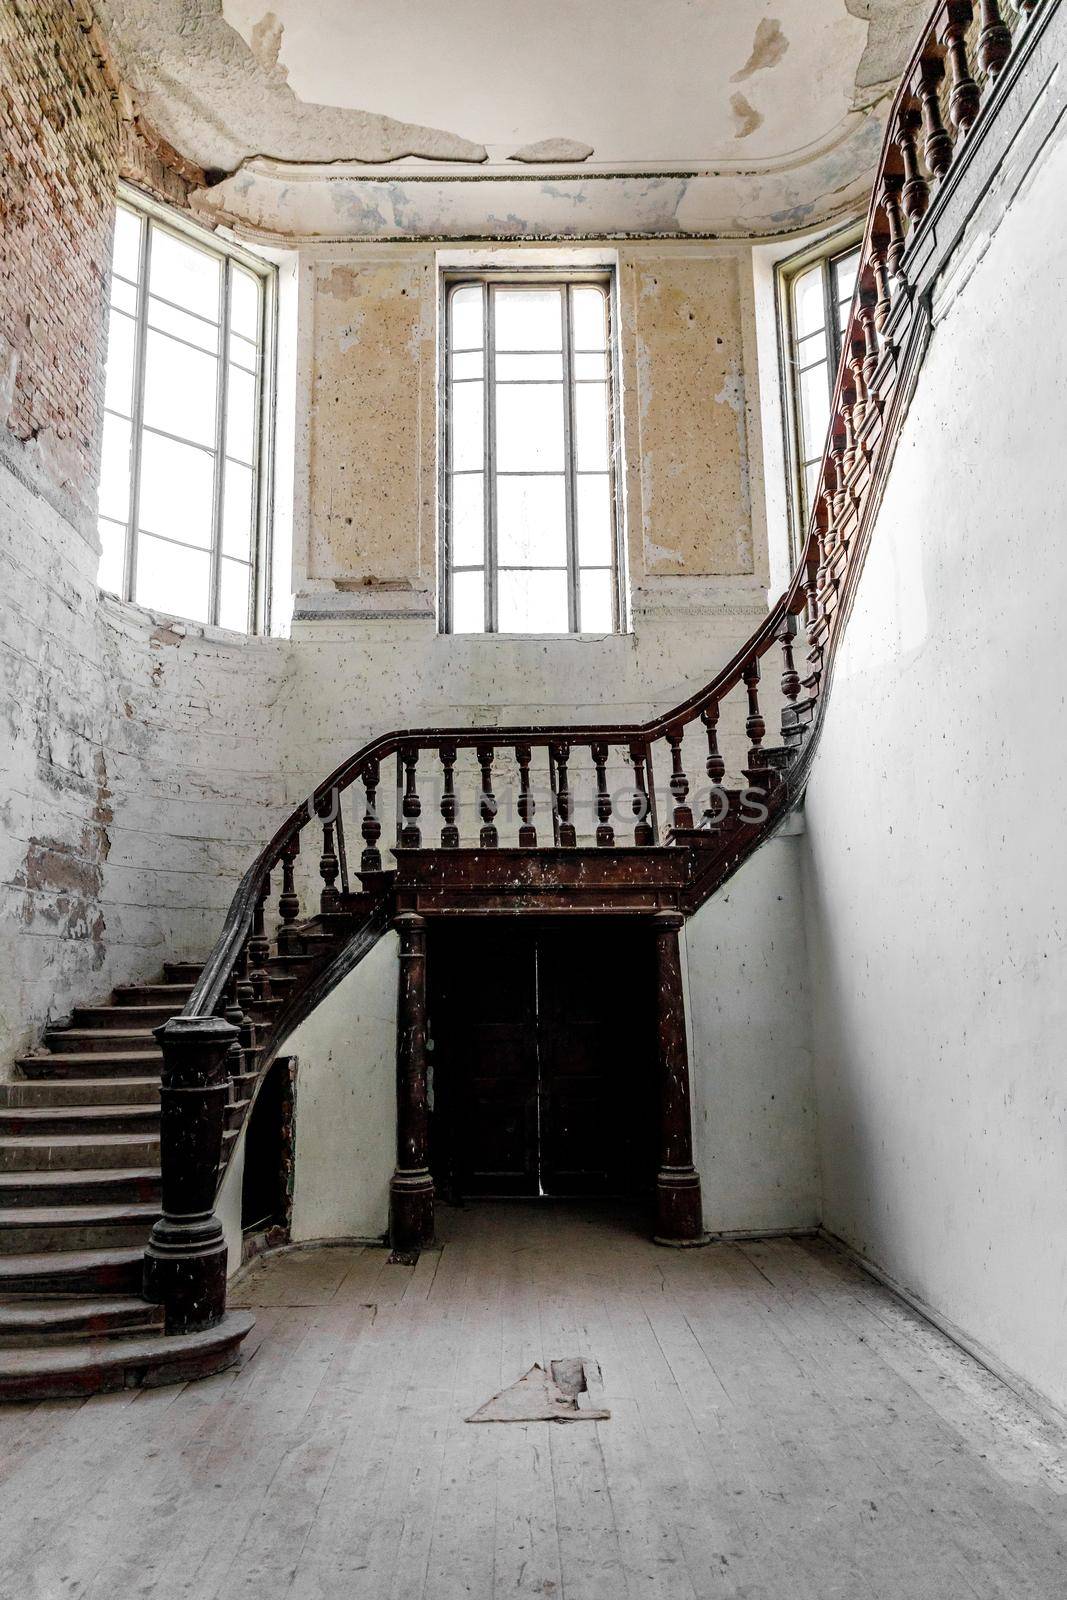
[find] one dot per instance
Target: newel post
(185, 1262)
(411, 1219)
(679, 1209)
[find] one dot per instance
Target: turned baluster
(641, 806)
(866, 312)
(915, 195)
(371, 829)
(410, 805)
(994, 41)
(678, 782)
(234, 1015)
(838, 442)
(605, 833)
(883, 293)
(964, 94)
(487, 836)
(527, 805)
(811, 584)
(449, 831)
(1024, 10)
(755, 727)
(288, 901)
(937, 141)
(259, 947)
(560, 755)
(892, 184)
(790, 675)
(857, 350)
(329, 866)
(848, 424)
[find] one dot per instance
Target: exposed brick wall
(59, 138)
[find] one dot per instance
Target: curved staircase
(113, 1140)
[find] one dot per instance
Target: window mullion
(568, 459)
(215, 578)
(489, 458)
(137, 412)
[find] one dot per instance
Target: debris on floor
(564, 1394)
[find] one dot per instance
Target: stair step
(63, 1041)
(81, 1092)
(32, 1230)
(84, 1120)
(67, 1272)
(62, 1371)
(91, 1064)
(28, 1322)
(124, 1016)
(81, 1185)
(75, 1152)
(182, 971)
(151, 994)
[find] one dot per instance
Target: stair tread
(76, 1175)
(57, 1308)
(92, 1057)
(80, 1212)
(66, 1141)
(87, 1113)
(101, 1354)
(95, 1083)
(100, 1033)
(69, 1261)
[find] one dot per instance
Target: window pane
(172, 579)
(124, 296)
(814, 410)
(531, 522)
(237, 512)
(812, 349)
(468, 602)
(809, 308)
(112, 555)
(845, 275)
(467, 427)
(234, 592)
(532, 602)
(244, 303)
(529, 428)
(595, 596)
(179, 389)
(590, 322)
(511, 367)
(468, 521)
(205, 335)
(466, 308)
(528, 319)
(118, 379)
(591, 366)
(126, 251)
(115, 468)
(468, 364)
(591, 427)
(811, 484)
(243, 353)
(240, 414)
(594, 521)
(184, 274)
(177, 490)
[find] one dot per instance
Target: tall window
(817, 300)
(183, 445)
(531, 535)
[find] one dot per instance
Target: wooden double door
(543, 1058)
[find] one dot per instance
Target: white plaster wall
(346, 1104)
(937, 873)
(138, 774)
(748, 1008)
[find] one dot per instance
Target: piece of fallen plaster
(746, 118)
(768, 48)
(553, 150)
(538, 1397)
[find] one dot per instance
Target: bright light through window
(530, 498)
(183, 406)
(819, 304)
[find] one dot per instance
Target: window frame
(563, 278)
(153, 215)
(827, 253)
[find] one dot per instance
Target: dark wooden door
(543, 1058)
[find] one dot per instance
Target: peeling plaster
(768, 48)
(553, 150)
(746, 118)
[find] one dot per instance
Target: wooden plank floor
(782, 1429)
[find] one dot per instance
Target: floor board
(783, 1428)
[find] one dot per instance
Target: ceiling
(346, 118)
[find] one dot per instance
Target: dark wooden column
(411, 1188)
(679, 1211)
(185, 1262)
